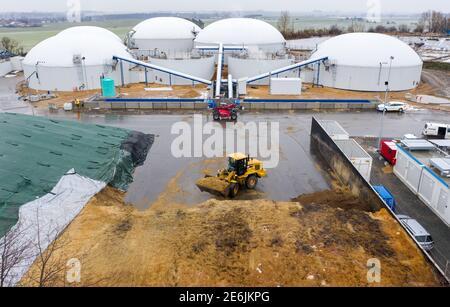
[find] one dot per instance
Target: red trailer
(388, 150)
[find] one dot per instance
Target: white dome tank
(362, 62)
(246, 32)
(73, 62)
(164, 34)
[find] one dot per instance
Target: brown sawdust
(242, 243)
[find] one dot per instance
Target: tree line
(431, 22)
(11, 45)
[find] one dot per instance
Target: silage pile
(243, 243)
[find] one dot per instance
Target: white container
(357, 155)
(68, 106)
(5, 67)
(285, 86)
(242, 86)
(334, 130)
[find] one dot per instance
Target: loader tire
(234, 190)
(251, 182)
(216, 116)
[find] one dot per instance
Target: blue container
(211, 103)
(108, 88)
(386, 196)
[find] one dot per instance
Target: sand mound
(240, 243)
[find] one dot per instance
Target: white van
(440, 131)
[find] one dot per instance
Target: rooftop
(436, 160)
(5, 54)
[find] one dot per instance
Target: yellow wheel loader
(242, 171)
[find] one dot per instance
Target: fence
(442, 261)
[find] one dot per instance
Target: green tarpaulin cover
(35, 152)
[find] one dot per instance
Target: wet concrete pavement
(298, 171)
(8, 98)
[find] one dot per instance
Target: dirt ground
(434, 83)
(318, 240)
(129, 91)
(311, 92)
(178, 91)
(439, 80)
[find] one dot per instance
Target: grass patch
(437, 66)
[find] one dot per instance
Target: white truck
(435, 130)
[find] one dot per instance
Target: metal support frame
(318, 75)
(220, 58)
(285, 69)
(146, 77)
(121, 74)
(230, 86)
(171, 72)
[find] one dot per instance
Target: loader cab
(238, 162)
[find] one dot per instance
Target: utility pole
(385, 103)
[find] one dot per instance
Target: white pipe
(219, 70)
(230, 86)
(216, 47)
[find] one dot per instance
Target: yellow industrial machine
(242, 171)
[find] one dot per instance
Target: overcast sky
(387, 6)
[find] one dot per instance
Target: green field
(29, 37)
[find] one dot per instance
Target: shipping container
(357, 155)
(388, 150)
(285, 86)
(386, 195)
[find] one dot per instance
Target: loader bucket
(214, 185)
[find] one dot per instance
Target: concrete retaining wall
(248, 106)
(324, 146)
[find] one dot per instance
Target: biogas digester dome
(362, 62)
(239, 32)
(165, 34)
(90, 30)
(261, 43)
(74, 59)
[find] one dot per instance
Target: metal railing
(441, 260)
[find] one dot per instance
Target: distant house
(9, 62)
(6, 55)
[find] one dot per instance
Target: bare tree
(334, 30)
(425, 21)
(50, 266)
(403, 28)
(380, 29)
(11, 45)
(356, 27)
(434, 22)
(284, 23)
(419, 28)
(14, 250)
